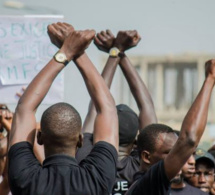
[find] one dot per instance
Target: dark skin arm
(124, 41)
(103, 40)
(106, 121)
(24, 122)
(38, 149)
(193, 125)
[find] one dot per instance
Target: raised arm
(24, 122)
(104, 42)
(106, 122)
(193, 125)
(124, 41)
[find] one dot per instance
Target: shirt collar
(60, 159)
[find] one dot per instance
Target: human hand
(19, 94)
(6, 119)
(210, 68)
(104, 40)
(127, 39)
(76, 43)
(58, 32)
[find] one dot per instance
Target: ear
(80, 141)
(145, 156)
(39, 137)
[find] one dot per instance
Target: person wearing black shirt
(60, 133)
(129, 123)
(162, 153)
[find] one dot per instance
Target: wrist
(210, 79)
(81, 59)
(115, 52)
(69, 55)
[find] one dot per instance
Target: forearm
(106, 121)
(107, 74)
(195, 121)
(109, 70)
(140, 92)
(39, 87)
(95, 84)
(191, 131)
(24, 121)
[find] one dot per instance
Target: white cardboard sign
(25, 49)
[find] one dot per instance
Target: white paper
(25, 49)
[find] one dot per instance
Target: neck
(178, 185)
(124, 150)
(61, 150)
(144, 166)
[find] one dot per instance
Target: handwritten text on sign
(24, 49)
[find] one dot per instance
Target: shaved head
(61, 124)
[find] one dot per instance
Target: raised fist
(6, 119)
(210, 68)
(127, 39)
(76, 43)
(58, 32)
(104, 40)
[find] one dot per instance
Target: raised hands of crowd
(210, 69)
(124, 40)
(58, 32)
(73, 43)
(76, 43)
(6, 119)
(104, 40)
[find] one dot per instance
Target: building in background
(173, 82)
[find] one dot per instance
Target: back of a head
(128, 124)
(61, 124)
(148, 136)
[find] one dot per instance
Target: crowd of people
(116, 151)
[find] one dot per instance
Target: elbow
(191, 142)
(22, 107)
(190, 139)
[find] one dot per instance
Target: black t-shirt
(126, 168)
(152, 182)
(61, 174)
(187, 190)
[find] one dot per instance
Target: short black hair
(147, 138)
(60, 122)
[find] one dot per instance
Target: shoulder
(21, 159)
(20, 147)
(146, 181)
(105, 148)
(100, 165)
